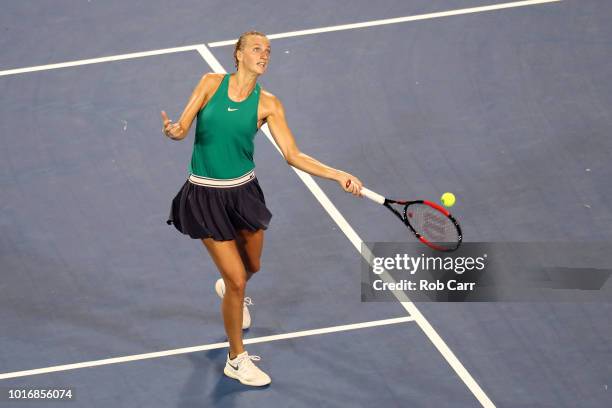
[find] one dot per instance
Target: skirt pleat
(218, 213)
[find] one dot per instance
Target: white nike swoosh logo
(231, 110)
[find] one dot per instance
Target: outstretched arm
(275, 116)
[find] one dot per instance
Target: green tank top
(223, 146)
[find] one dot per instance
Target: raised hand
(172, 130)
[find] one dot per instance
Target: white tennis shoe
(244, 370)
(246, 316)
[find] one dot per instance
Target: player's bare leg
(226, 256)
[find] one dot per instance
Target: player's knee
(236, 284)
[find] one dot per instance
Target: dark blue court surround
(509, 109)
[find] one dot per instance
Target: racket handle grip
(377, 198)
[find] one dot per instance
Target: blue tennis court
(508, 105)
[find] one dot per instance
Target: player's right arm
(199, 97)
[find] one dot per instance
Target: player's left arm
(277, 123)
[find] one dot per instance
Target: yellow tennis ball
(448, 199)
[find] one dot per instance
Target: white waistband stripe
(222, 183)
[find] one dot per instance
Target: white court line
(98, 60)
(395, 20)
(350, 233)
(185, 350)
(280, 35)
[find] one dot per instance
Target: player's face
(256, 54)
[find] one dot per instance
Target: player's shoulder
(209, 83)
(212, 78)
(269, 99)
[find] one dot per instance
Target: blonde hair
(240, 43)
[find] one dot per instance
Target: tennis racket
(432, 224)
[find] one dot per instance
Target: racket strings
(432, 225)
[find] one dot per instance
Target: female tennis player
(221, 202)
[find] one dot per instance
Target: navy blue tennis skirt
(202, 211)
